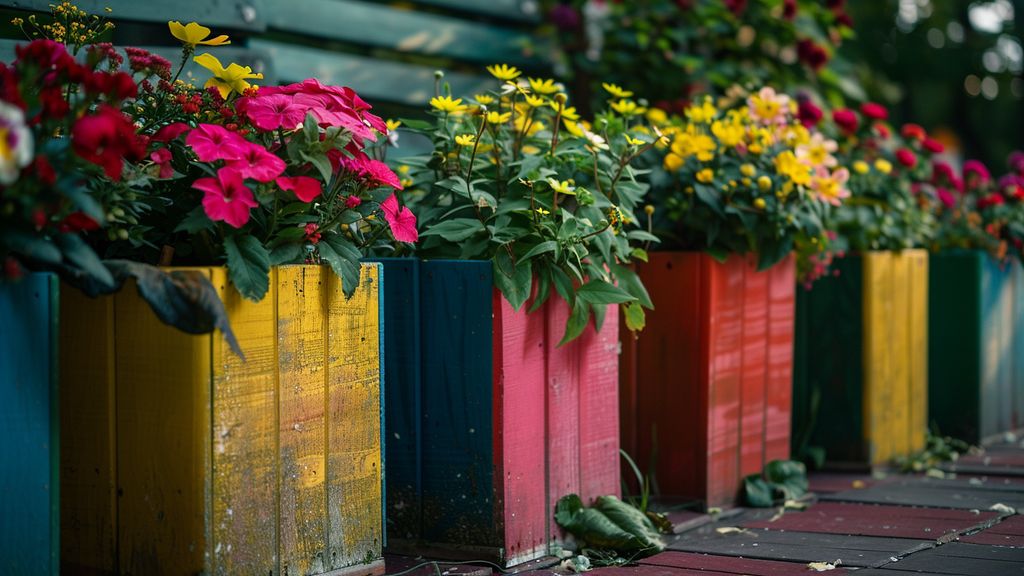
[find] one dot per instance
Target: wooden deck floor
(962, 525)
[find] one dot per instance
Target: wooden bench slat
(406, 31)
(246, 15)
(374, 80)
(512, 10)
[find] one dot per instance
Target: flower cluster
(103, 158)
(974, 211)
(518, 177)
(747, 178)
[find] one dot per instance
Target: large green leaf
(514, 280)
(83, 259)
(610, 525)
(248, 265)
(599, 292)
(343, 257)
(577, 322)
(455, 229)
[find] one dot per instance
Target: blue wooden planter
(488, 422)
(29, 433)
(976, 359)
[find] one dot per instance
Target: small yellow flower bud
(759, 203)
(705, 176)
(688, 189)
(764, 183)
(649, 209)
(861, 167)
(748, 170)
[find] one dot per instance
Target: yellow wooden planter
(179, 458)
(862, 349)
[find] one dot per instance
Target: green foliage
(518, 178)
(610, 525)
(781, 480)
(937, 449)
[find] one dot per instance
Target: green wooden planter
(976, 355)
(860, 360)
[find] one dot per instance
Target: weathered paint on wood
(977, 371)
(29, 426)
(710, 379)
(862, 345)
(502, 432)
(224, 466)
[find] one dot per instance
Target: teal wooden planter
(29, 433)
(976, 356)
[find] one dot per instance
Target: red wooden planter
(488, 421)
(707, 387)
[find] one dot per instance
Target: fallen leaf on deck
(730, 530)
(824, 566)
(1002, 508)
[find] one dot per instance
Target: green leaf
(456, 229)
(719, 255)
(542, 248)
(514, 280)
(630, 281)
(32, 247)
(77, 252)
(577, 322)
(420, 125)
(285, 254)
(320, 162)
(610, 525)
(599, 314)
(248, 265)
(543, 289)
(635, 317)
(343, 257)
(639, 254)
(600, 292)
(563, 284)
(773, 252)
(788, 476)
(711, 196)
(757, 492)
(311, 129)
(196, 220)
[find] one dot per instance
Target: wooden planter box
(706, 387)
(862, 349)
(29, 449)
(488, 422)
(181, 458)
(976, 345)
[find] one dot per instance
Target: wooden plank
(520, 351)
(517, 10)
(754, 369)
(163, 407)
(375, 80)
(1017, 355)
(461, 485)
(88, 469)
(407, 32)
(933, 493)
(878, 355)
(960, 560)
(701, 563)
(599, 412)
(855, 551)
(243, 15)
(671, 436)
(997, 350)
(563, 417)
(354, 467)
(725, 283)
(780, 341)
(898, 421)
(29, 419)
(885, 521)
(955, 306)
(403, 393)
(917, 261)
(244, 419)
(302, 418)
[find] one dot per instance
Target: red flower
(12, 270)
(353, 201)
(105, 139)
(116, 85)
(226, 197)
(312, 233)
(882, 130)
(49, 56)
(789, 9)
(811, 54)
(44, 170)
(211, 142)
(256, 162)
(1015, 192)
(946, 197)
(845, 119)
(162, 158)
(933, 146)
(844, 19)
(976, 174)
(737, 7)
(993, 199)
(906, 157)
(171, 131)
(808, 113)
(401, 220)
(874, 111)
(54, 104)
(914, 132)
(304, 187)
(78, 222)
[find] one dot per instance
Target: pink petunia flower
(946, 197)
(353, 201)
(976, 173)
(874, 111)
(372, 171)
(304, 187)
(256, 162)
(401, 220)
(274, 111)
(162, 158)
(226, 197)
(211, 142)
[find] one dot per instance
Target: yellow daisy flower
(233, 78)
(447, 104)
(504, 72)
(192, 34)
(562, 187)
(616, 91)
(545, 86)
(498, 117)
(484, 99)
(465, 139)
